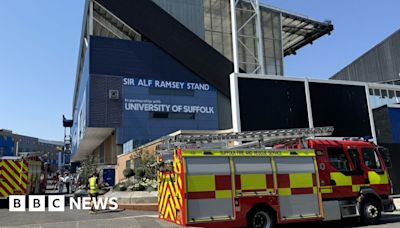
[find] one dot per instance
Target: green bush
(128, 183)
(116, 187)
(122, 186)
(128, 172)
(119, 187)
(140, 172)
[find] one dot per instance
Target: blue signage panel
(154, 108)
(159, 95)
(6, 146)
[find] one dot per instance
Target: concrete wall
(381, 63)
(121, 166)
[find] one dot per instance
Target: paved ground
(77, 218)
(389, 220)
(135, 219)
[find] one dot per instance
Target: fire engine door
(376, 175)
(297, 187)
(253, 176)
(357, 175)
(209, 189)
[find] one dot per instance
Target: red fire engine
(270, 177)
(22, 175)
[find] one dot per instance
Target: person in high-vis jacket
(93, 191)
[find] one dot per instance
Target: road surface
(134, 219)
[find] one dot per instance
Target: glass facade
(217, 30)
(218, 33)
(380, 97)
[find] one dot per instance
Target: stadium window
(392, 97)
(172, 115)
(187, 116)
(159, 115)
(398, 96)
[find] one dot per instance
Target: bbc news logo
(56, 203)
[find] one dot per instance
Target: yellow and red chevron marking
(170, 197)
(13, 177)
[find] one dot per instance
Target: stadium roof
(299, 30)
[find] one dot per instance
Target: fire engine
(21, 175)
(259, 179)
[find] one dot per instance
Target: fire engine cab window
(371, 159)
(338, 159)
(354, 158)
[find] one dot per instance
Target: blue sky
(40, 39)
(359, 25)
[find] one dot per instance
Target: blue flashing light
(367, 138)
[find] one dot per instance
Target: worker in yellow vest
(93, 191)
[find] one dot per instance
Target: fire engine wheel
(261, 219)
(370, 211)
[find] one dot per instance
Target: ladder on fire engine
(240, 140)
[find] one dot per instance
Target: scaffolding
(250, 9)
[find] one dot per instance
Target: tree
(149, 161)
(89, 166)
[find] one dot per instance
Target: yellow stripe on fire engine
(223, 194)
(2, 192)
(284, 191)
(202, 183)
(301, 180)
(326, 189)
(166, 198)
(239, 153)
(15, 176)
(253, 181)
(11, 181)
(375, 178)
(163, 189)
(18, 167)
(357, 187)
(341, 179)
(8, 187)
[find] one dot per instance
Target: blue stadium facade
(149, 68)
